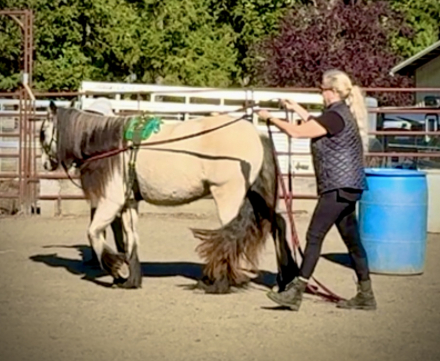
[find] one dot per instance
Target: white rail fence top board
(179, 103)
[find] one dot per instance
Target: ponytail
(356, 103)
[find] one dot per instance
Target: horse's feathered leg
(114, 263)
(129, 222)
(117, 229)
(243, 237)
(287, 267)
(223, 248)
(228, 198)
(118, 234)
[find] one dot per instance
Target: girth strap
(138, 129)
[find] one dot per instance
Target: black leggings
(332, 209)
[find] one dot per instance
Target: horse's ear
(53, 107)
(72, 103)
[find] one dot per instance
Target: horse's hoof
(217, 287)
(200, 285)
(123, 271)
(115, 264)
(126, 284)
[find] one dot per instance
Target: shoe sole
(366, 308)
(284, 304)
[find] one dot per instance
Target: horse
(219, 156)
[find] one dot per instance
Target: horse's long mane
(81, 135)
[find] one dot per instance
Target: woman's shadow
(91, 271)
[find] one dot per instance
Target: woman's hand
(298, 109)
(264, 114)
(289, 104)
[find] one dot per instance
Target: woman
(338, 139)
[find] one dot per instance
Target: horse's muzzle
(50, 165)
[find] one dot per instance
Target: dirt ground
(50, 310)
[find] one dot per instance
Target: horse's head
(48, 139)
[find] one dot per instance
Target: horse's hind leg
(129, 223)
(222, 248)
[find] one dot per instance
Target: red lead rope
(327, 294)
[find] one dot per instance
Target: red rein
(113, 152)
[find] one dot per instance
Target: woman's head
(336, 81)
(337, 86)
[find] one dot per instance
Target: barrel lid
(393, 172)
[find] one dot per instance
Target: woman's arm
(310, 129)
(298, 109)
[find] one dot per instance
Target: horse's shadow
(92, 272)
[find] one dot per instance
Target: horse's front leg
(117, 229)
(129, 223)
(110, 261)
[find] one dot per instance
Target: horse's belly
(170, 182)
(170, 194)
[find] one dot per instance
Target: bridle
(47, 147)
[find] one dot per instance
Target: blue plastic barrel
(393, 220)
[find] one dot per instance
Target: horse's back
(223, 136)
(217, 128)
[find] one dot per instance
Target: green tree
(74, 40)
(11, 56)
(181, 43)
(423, 16)
(191, 42)
(87, 39)
(250, 20)
(170, 41)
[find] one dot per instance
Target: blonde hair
(354, 98)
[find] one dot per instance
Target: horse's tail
(243, 238)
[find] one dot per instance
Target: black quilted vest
(338, 160)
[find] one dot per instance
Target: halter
(48, 147)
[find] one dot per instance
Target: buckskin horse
(219, 155)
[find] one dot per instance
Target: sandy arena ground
(49, 311)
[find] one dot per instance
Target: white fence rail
(177, 103)
(184, 105)
(183, 102)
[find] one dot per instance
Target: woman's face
(328, 93)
